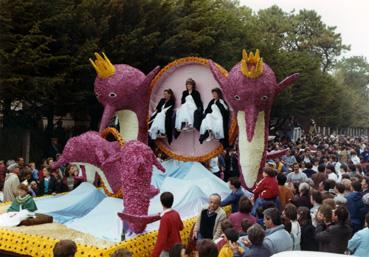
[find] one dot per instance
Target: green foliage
(352, 77)
(45, 46)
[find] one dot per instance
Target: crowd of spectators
(40, 181)
(314, 198)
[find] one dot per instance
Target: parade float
(131, 175)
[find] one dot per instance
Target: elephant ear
(149, 77)
(287, 81)
(218, 75)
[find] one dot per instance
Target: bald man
(209, 220)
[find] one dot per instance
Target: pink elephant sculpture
(125, 89)
(250, 89)
(91, 148)
(128, 168)
(137, 160)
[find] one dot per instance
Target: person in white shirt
(296, 176)
(315, 165)
(337, 166)
(340, 194)
(354, 158)
(331, 172)
(290, 211)
(214, 166)
(316, 199)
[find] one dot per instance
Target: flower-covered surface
(168, 71)
(123, 88)
(135, 163)
(250, 89)
(41, 246)
(91, 148)
(127, 169)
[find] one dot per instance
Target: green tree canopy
(45, 47)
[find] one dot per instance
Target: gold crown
(255, 62)
(103, 66)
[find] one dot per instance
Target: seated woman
(47, 184)
(161, 120)
(23, 201)
(69, 181)
(215, 123)
(188, 115)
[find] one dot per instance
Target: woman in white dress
(215, 123)
(186, 117)
(161, 120)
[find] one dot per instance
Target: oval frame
(232, 131)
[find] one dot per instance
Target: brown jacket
(285, 195)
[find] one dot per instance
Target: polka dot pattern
(41, 246)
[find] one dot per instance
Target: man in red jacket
(170, 226)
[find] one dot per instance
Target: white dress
(214, 122)
(158, 124)
(296, 233)
(185, 113)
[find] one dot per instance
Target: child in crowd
(245, 225)
(23, 201)
(169, 228)
(231, 236)
(221, 241)
(266, 190)
(254, 243)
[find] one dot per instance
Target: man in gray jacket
(277, 239)
(209, 220)
(11, 182)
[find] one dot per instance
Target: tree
(309, 33)
(44, 58)
(352, 76)
(355, 71)
(45, 46)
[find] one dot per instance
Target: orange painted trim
(115, 133)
